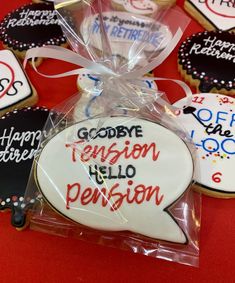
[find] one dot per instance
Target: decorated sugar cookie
(15, 89)
(97, 176)
(212, 14)
(90, 87)
(123, 29)
(20, 132)
(142, 7)
(210, 121)
(207, 61)
(32, 25)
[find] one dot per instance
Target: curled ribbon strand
(101, 71)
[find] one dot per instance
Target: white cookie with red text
(96, 175)
(212, 14)
(16, 90)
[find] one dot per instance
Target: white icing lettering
(215, 48)
(34, 18)
(24, 139)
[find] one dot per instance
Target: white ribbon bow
(60, 53)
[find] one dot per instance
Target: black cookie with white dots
(32, 25)
(207, 61)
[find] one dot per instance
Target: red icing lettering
(113, 197)
(111, 153)
(198, 99)
(70, 188)
(216, 177)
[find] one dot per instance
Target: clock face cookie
(20, 133)
(212, 14)
(81, 161)
(210, 121)
(15, 89)
(207, 61)
(90, 87)
(32, 25)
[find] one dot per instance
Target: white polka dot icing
(210, 122)
(142, 7)
(221, 14)
(81, 161)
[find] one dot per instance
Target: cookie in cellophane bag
(120, 176)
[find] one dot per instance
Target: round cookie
(89, 86)
(207, 61)
(210, 122)
(81, 161)
(16, 90)
(20, 133)
(212, 15)
(32, 25)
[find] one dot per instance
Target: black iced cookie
(32, 25)
(20, 132)
(207, 61)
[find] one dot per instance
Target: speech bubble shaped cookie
(210, 121)
(124, 176)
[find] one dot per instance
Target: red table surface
(31, 256)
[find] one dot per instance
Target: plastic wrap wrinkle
(104, 178)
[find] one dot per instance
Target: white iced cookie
(212, 14)
(210, 121)
(87, 105)
(128, 34)
(141, 7)
(15, 89)
(123, 176)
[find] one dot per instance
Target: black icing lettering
(14, 88)
(210, 129)
(100, 173)
(3, 84)
(82, 133)
(110, 132)
(226, 2)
